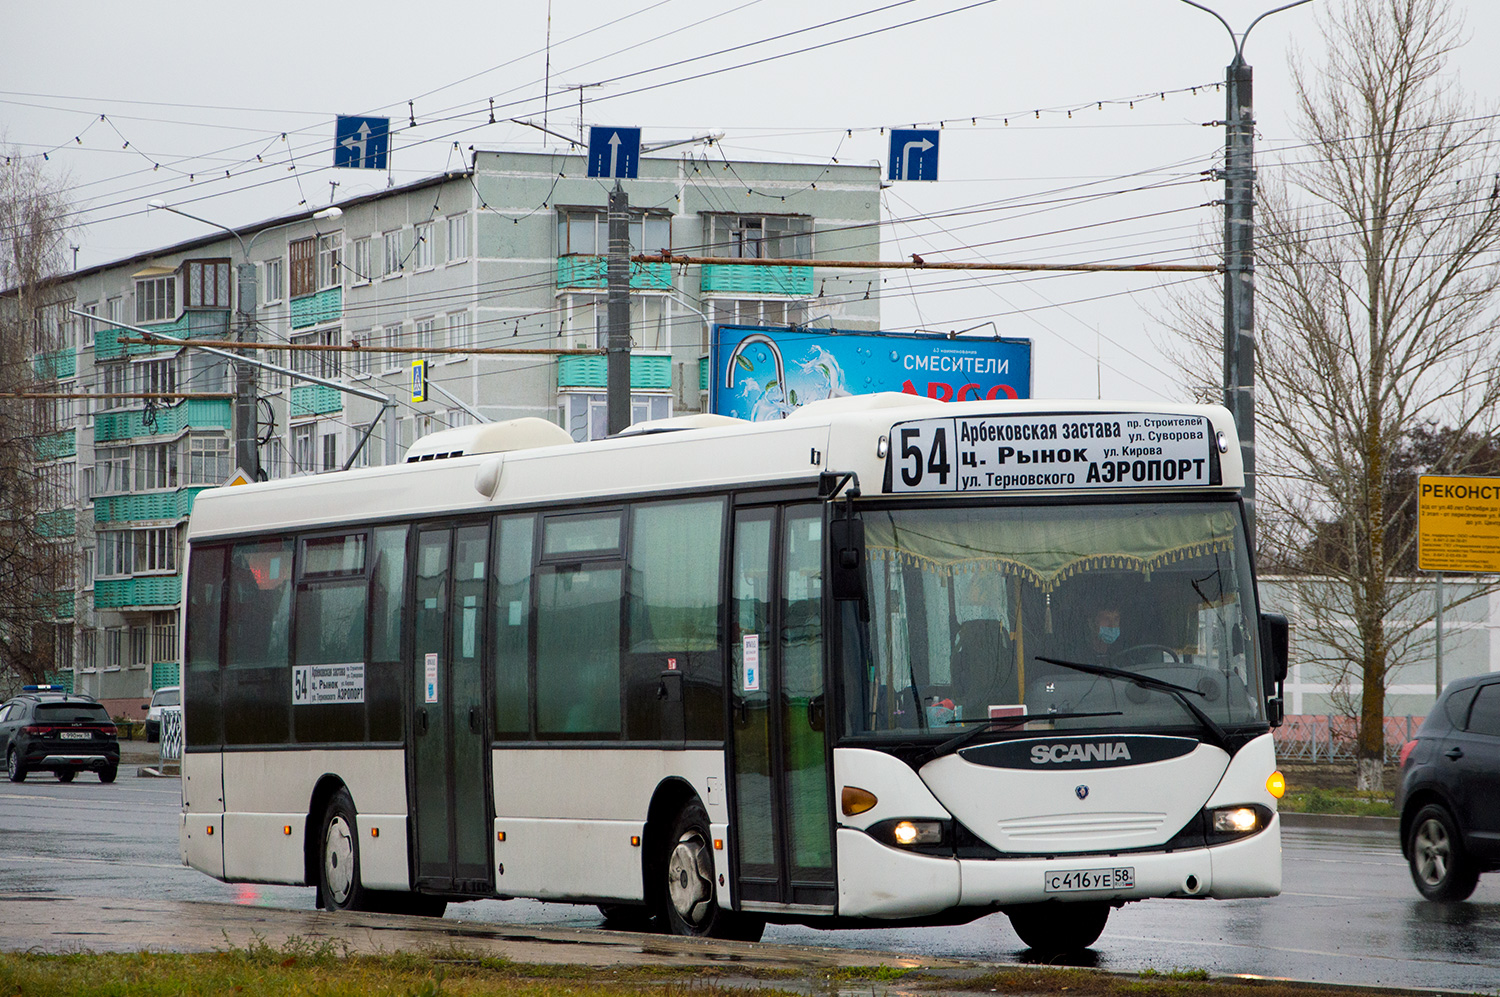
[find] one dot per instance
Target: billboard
(760, 373)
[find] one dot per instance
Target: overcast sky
(190, 91)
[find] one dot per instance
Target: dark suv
(46, 730)
(1449, 793)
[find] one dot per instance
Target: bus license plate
(75, 735)
(1071, 880)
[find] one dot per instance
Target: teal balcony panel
(54, 366)
(61, 606)
(718, 278)
(55, 445)
(590, 272)
(135, 593)
(57, 523)
(164, 673)
(146, 506)
(64, 679)
(325, 306)
(202, 323)
(194, 413)
(315, 399)
(646, 372)
(703, 374)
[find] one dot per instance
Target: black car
(47, 730)
(1449, 793)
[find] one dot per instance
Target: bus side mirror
(846, 559)
(1275, 649)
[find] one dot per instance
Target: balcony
(719, 278)
(54, 366)
(194, 413)
(575, 272)
(203, 323)
(646, 372)
(57, 524)
(325, 306)
(146, 506)
(147, 592)
(55, 445)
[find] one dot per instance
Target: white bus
(886, 662)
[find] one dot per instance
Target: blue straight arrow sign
(914, 154)
(614, 152)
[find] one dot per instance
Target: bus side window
(257, 709)
(385, 677)
(205, 598)
(512, 615)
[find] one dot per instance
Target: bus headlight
(1230, 823)
(917, 835)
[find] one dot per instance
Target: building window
(304, 254)
(586, 416)
(276, 464)
(155, 549)
(585, 232)
(207, 459)
(302, 448)
(362, 256)
(771, 312)
(273, 279)
(207, 283)
(422, 334)
(114, 648)
(86, 568)
(89, 324)
(115, 380)
(154, 376)
(330, 260)
(391, 262)
(115, 554)
(458, 237)
(362, 457)
(331, 452)
(460, 330)
(155, 466)
(319, 363)
(584, 321)
(358, 362)
(760, 237)
(54, 328)
(112, 469)
(423, 246)
(393, 338)
(156, 299)
(114, 309)
(85, 485)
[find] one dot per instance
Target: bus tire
(338, 857)
(1440, 868)
(1052, 928)
(627, 917)
(688, 897)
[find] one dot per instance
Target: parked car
(1449, 790)
(167, 695)
(46, 729)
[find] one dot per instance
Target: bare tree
(1376, 291)
(36, 541)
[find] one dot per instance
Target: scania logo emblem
(1082, 792)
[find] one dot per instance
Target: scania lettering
(841, 669)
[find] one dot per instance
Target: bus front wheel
(1054, 928)
(689, 899)
(338, 865)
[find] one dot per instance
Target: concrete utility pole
(1239, 248)
(617, 346)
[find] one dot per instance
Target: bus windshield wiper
(951, 745)
(1220, 739)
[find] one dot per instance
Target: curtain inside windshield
(965, 602)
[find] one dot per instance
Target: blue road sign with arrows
(361, 143)
(914, 154)
(614, 152)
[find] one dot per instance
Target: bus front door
(783, 829)
(448, 763)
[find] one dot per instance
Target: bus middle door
(449, 761)
(783, 825)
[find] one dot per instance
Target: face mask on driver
(1109, 634)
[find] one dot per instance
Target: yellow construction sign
(1458, 524)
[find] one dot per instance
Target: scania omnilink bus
(887, 661)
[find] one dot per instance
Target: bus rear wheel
(689, 898)
(338, 857)
(1053, 928)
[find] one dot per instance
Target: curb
(1342, 822)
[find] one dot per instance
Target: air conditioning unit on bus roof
(525, 433)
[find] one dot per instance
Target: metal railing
(1333, 738)
(171, 734)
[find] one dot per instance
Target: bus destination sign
(1017, 453)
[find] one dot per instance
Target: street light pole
(1239, 249)
(247, 293)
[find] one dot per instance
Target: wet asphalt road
(1349, 913)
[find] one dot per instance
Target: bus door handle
(1455, 753)
(422, 720)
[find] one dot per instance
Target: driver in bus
(1104, 635)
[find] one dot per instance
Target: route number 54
(933, 460)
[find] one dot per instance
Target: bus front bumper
(879, 881)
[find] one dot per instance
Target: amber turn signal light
(854, 800)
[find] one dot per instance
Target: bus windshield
(966, 603)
